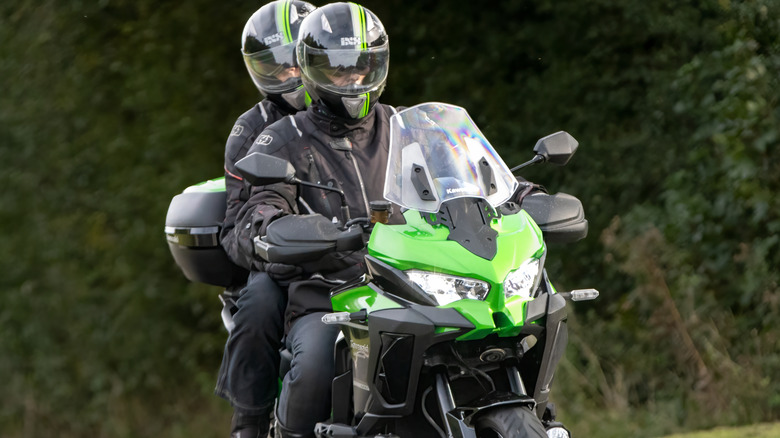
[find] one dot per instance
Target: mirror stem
(344, 207)
(345, 211)
(534, 160)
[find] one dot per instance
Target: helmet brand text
(351, 41)
(279, 36)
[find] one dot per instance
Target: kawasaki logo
(273, 38)
(458, 190)
(351, 41)
(359, 350)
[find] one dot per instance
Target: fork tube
(515, 381)
(446, 401)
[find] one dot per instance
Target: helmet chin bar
(355, 105)
(347, 107)
(296, 98)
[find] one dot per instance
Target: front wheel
(509, 422)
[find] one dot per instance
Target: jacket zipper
(314, 174)
(360, 179)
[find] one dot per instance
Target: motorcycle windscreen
(436, 154)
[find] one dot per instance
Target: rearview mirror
(556, 148)
(261, 169)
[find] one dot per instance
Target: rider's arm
(238, 142)
(265, 203)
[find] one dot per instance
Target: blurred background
(111, 107)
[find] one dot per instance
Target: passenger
(250, 365)
(341, 140)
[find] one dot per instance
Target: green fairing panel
(487, 319)
(212, 185)
(362, 297)
(419, 245)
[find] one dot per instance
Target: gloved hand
(283, 274)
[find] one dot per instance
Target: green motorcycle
(455, 329)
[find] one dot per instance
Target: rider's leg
(250, 364)
(249, 426)
(305, 398)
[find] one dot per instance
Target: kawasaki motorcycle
(455, 329)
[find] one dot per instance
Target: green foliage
(702, 246)
(112, 107)
(102, 100)
(755, 431)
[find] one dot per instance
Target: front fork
(458, 421)
(454, 420)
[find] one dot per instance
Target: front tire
(509, 422)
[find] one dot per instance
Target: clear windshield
(437, 153)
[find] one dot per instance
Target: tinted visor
(346, 71)
(272, 68)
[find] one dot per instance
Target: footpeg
(323, 430)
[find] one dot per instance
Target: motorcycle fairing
(468, 220)
(384, 388)
(419, 245)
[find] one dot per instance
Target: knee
(260, 311)
(313, 356)
(313, 376)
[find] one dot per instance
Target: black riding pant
(248, 376)
(305, 398)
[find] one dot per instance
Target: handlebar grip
(350, 239)
(291, 255)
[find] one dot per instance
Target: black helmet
(268, 45)
(344, 55)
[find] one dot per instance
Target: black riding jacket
(351, 155)
(244, 133)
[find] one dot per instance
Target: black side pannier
(192, 228)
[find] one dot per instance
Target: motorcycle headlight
(521, 281)
(448, 288)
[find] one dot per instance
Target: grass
(770, 430)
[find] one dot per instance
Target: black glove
(283, 274)
(334, 262)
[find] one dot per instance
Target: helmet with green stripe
(268, 45)
(344, 55)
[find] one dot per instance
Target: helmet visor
(346, 72)
(275, 70)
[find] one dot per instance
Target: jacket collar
(337, 126)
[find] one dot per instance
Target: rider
(341, 140)
(247, 377)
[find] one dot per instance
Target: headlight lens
(448, 288)
(521, 281)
